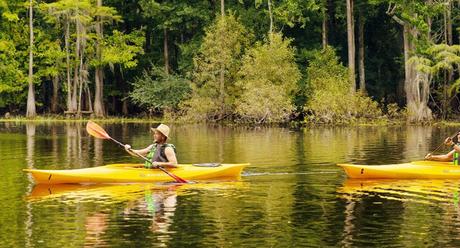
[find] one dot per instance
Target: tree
(435, 62)
(268, 78)
(222, 48)
(31, 111)
(158, 90)
(102, 14)
(331, 100)
(412, 16)
(351, 44)
(98, 74)
(12, 78)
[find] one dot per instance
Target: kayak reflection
(421, 190)
(102, 206)
(109, 193)
(409, 205)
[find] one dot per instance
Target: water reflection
(431, 192)
(293, 193)
(413, 207)
(106, 208)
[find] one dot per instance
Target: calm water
(292, 195)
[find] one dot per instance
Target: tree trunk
(222, 74)
(124, 108)
(416, 84)
(449, 23)
(449, 38)
(324, 27)
(88, 96)
(222, 92)
(83, 72)
(362, 75)
(165, 50)
(271, 16)
(99, 74)
(222, 7)
(351, 45)
(69, 82)
(148, 37)
(54, 98)
(76, 69)
(31, 110)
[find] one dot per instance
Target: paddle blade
(97, 131)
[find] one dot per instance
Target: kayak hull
(135, 173)
(413, 170)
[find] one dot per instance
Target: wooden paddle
(98, 132)
(451, 137)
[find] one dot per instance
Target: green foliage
(331, 100)
(290, 12)
(120, 48)
(393, 112)
(158, 90)
(12, 79)
(269, 76)
(48, 56)
(13, 54)
(134, 32)
(221, 51)
(438, 59)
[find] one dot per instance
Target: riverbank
(58, 118)
(292, 124)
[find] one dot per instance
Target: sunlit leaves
(120, 48)
(331, 100)
(221, 51)
(268, 77)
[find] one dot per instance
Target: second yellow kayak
(412, 170)
(130, 173)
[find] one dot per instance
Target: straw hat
(162, 128)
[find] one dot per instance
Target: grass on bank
(60, 118)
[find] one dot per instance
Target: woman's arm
(142, 152)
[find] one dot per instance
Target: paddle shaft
(451, 137)
(178, 179)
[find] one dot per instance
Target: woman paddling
(450, 155)
(160, 152)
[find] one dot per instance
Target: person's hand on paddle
(428, 156)
(448, 141)
(127, 147)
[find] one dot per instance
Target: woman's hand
(428, 156)
(127, 147)
(448, 141)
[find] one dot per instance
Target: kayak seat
(208, 165)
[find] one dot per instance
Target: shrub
(156, 89)
(331, 100)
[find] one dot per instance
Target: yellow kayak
(413, 170)
(131, 173)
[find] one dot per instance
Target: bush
(215, 71)
(268, 77)
(158, 90)
(331, 100)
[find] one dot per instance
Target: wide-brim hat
(162, 128)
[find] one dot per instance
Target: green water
(292, 194)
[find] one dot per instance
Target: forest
(274, 61)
